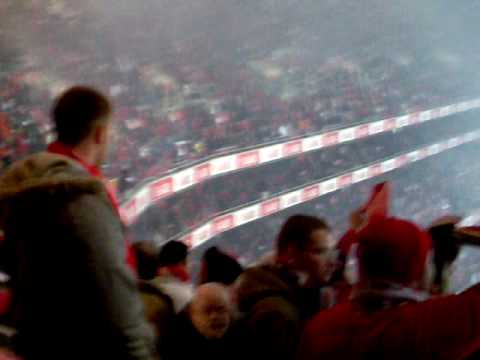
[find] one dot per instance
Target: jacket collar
(45, 174)
(389, 295)
(61, 149)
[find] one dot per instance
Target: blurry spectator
(169, 292)
(202, 330)
(219, 267)
(73, 295)
(277, 299)
(81, 116)
(445, 250)
(158, 306)
(388, 316)
(172, 274)
(146, 254)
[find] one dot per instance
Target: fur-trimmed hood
(45, 175)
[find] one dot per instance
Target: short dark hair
(297, 230)
(76, 113)
(172, 253)
(146, 254)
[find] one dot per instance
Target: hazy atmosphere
(195, 80)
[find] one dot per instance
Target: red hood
(393, 250)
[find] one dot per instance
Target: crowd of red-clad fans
(339, 277)
(439, 180)
(189, 209)
(220, 122)
(76, 287)
(175, 113)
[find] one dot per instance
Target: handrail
(218, 165)
(238, 216)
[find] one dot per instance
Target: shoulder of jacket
(276, 305)
(47, 174)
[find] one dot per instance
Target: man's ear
(100, 134)
(97, 135)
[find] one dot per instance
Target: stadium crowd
(439, 180)
(339, 277)
(174, 113)
(228, 120)
(186, 210)
(84, 292)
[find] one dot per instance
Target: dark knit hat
(220, 267)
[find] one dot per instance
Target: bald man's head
(210, 310)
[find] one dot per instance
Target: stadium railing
(181, 179)
(256, 210)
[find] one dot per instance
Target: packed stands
(195, 112)
(266, 177)
(427, 181)
(246, 139)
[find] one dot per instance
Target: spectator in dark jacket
(173, 278)
(169, 292)
(204, 330)
(219, 267)
(146, 254)
(73, 295)
(389, 316)
(277, 299)
(159, 309)
(446, 248)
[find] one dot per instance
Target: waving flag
(379, 203)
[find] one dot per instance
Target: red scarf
(62, 149)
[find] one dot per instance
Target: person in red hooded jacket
(389, 316)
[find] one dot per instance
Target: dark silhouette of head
(219, 267)
(82, 120)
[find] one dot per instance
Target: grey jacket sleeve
(98, 228)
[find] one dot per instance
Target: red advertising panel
(374, 170)
(345, 180)
(270, 206)
(202, 172)
(161, 188)
(401, 161)
(223, 223)
(361, 131)
(330, 139)
(390, 124)
(311, 192)
(248, 159)
(292, 148)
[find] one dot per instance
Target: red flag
(376, 207)
(379, 203)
